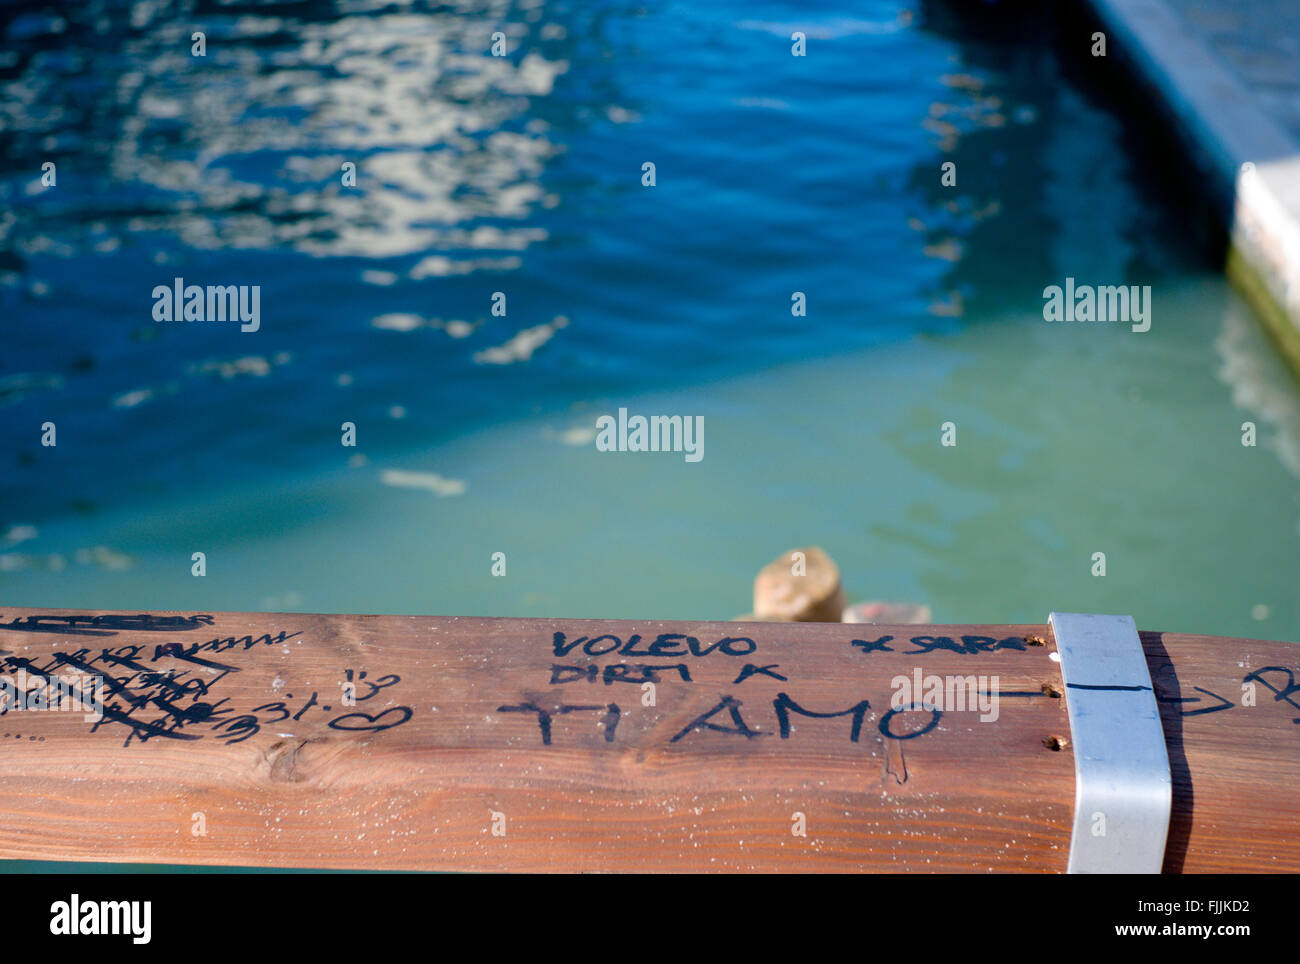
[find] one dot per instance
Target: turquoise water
(522, 174)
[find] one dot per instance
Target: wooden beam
(538, 744)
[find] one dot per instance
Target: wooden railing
(436, 743)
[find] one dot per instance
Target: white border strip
(1252, 154)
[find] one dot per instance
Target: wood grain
(646, 787)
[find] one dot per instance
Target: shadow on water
(1108, 173)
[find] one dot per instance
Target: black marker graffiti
(1283, 695)
(739, 726)
(666, 644)
(144, 701)
(874, 645)
(109, 625)
(750, 669)
(1222, 705)
(726, 716)
(887, 721)
(969, 645)
(544, 717)
(617, 673)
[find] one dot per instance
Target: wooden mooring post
(439, 743)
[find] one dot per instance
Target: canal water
(475, 431)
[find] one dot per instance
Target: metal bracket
(1122, 787)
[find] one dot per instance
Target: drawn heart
(371, 723)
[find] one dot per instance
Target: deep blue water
(775, 174)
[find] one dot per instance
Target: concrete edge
(1251, 159)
